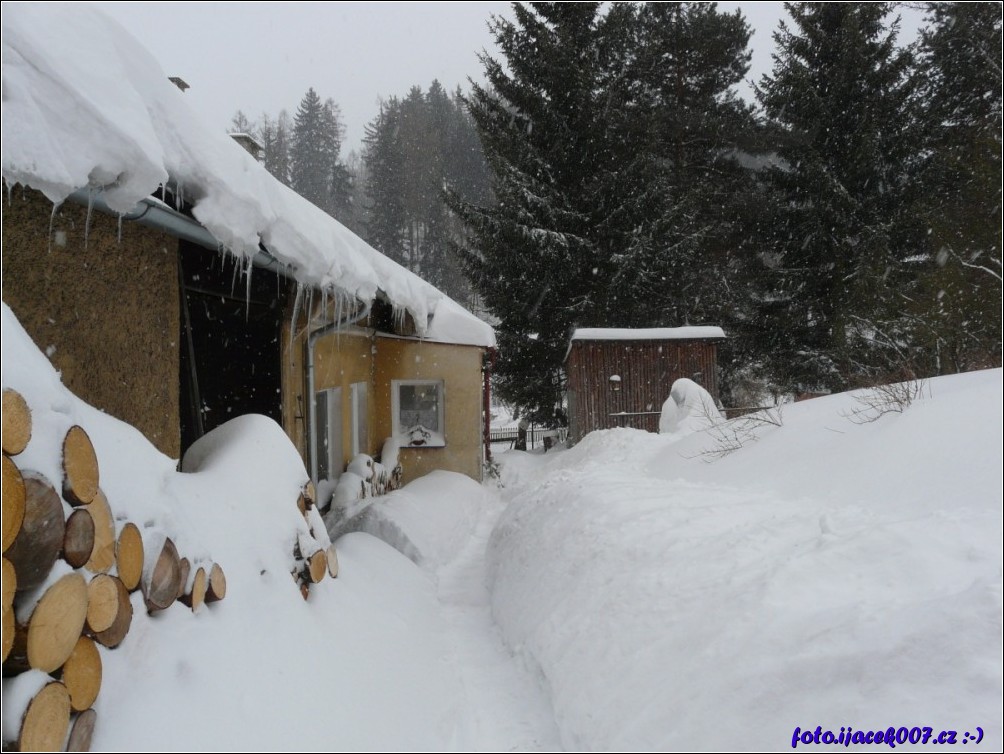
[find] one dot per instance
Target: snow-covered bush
(689, 408)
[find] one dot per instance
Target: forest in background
(844, 228)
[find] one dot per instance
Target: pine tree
(315, 171)
(840, 227)
(612, 139)
(957, 305)
(274, 135)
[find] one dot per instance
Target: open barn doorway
(230, 341)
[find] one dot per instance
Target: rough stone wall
(105, 311)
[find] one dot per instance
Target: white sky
(262, 57)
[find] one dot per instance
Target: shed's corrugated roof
(649, 333)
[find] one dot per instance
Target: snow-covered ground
(624, 594)
(829, 573)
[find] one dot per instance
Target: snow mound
(430, 519)
(237, 672)
(829, 573)
(689, 408)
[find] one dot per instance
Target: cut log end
(317, 566)
(80, 467)
(332, 562)
(196, 597)
(9, 584)
(40, 539)
(56, 623)
(102, 602)
(129, 556)
(82, 731)
(217, 586)
(185, 566)
(115, 633)
(164, 584)
(78, 539)
(9, 631)
(82, 674)
(13, 502)
(103, 556)
(16, 422)
(45, 722)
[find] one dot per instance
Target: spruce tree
(840, 227)
(613, 141)
(956, 307)
(315, 171)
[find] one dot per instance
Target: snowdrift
(826, 573)
(263, 669)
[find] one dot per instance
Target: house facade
(176, 284)
(621, 377)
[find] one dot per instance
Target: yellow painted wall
(460, 369)
(357, 356)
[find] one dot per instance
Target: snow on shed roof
(648, 333)
(86, 106)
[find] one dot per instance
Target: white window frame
(359, 400)
(438, 440)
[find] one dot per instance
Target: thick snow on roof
(647, 333)
(85, 106)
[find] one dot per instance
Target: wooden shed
(621, 377)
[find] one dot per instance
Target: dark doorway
(230, 341)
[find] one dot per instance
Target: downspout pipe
(312, 339)
(153, 213)
(487, 438)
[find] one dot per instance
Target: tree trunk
(129, 556)
(78, 540)
(103, 556)
(163, 585)
(82, 731)
(13, 502)
(80, 467)
(40, 539)
(82, 674)
(16, 422)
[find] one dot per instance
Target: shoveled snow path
(507, 707)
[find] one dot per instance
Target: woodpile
(68, 569)
(313, 554)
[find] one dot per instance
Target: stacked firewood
(313, 554)
(69, 568)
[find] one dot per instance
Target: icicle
(87, 222)
(52, 222)
(120, 230)
(297, 301)
(247, 288)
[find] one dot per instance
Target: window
(327, 435)
(418, 413)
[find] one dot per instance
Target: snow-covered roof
(87, 107)
(648, 333)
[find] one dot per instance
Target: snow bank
(430, 519)
(263, 669)
(86, 107)
(829, 574)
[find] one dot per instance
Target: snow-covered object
(649, 333)
(389, 453)
(689, 408)
(231, 671)
(349, 493)
(830, 574)
(362, 465)
(86, 107)
(430, 519)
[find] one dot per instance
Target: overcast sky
(262, 57)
